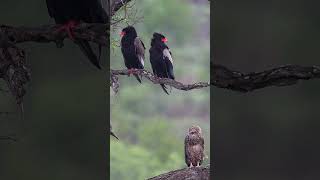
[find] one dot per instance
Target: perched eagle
(71, 12)
(132, 49)
(194, 147)
(161, 58)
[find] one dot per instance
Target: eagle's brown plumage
(194, 147)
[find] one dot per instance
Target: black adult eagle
(161, 58)
(71, 12)
(132, 49)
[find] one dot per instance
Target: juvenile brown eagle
(194, 147)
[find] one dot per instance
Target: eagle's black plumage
(132, 49)
(88, 11)
(161, 58)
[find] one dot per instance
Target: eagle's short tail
(138, 78)
(87, 50)
(112, 134)
(164, 88)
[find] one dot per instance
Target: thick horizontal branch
(194, 173)
(223, 77)
(155, 80)
(97, 33)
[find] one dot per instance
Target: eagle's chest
(195, 148)
(128, 51)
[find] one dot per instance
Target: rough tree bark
(194, 173)
(287, 75)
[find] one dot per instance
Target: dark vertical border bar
(212, 165)
(107, 137)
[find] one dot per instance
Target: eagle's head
(195, 130)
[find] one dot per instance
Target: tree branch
(97, 33)
(117, 4)
(155, 80)
(195, 173)
(223, 77)
(9, 138)
(11, 57)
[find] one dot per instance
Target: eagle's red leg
(130, 71)
(69, 26)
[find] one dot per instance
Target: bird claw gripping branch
(69, 28)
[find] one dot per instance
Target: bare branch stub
(194, 173)
(287, 75)
(114, 83)
(7, 138)
(155, 80)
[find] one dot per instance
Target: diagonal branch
(155, 80)
(223, 77)
(117, 4)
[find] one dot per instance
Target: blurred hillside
(150, 124)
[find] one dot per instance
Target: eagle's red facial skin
(122, 33)
(164, 40)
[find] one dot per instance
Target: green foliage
(168, 16)
(135, 162)
(157, 133)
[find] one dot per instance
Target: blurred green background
(272, 133)
(150, 124)
(65, 108)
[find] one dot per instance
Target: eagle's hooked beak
(122, 33)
